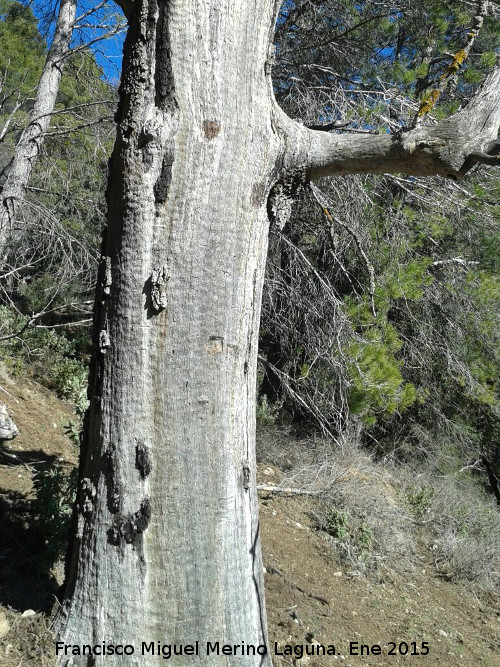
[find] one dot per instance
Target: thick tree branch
(449, 148)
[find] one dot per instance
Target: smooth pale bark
(166, 544)
(168, 536)
(32, 137)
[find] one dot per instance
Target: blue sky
(108, 52)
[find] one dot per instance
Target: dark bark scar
(130, 529)
(211, 128)
(143, 460)
(246, 477)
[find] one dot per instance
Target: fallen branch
(282, 489)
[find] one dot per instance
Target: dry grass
(28, 642)
(374, 515)
(465, 525)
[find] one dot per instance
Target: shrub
(55, 490)
(48, 356)
(267, 413)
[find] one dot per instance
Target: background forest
(380, 324)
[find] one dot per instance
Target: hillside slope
(313, 595)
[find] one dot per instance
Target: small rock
(4, 625)
(443, 633)
(8, 429)
(337, 574)
(28, 613)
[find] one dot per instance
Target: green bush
(419, 500)
(336, 524)
(55, 490)
(354, 537)
(267, 413)
(46, 355)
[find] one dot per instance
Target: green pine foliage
(410, 355)
(22, 51)
(62, 218)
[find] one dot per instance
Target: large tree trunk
(168, 534)
(32, 137)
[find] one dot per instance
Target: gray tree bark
(32, 137)
(166, 544)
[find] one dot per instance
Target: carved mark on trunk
(211, 128)
(149, 144)
(258, 194)
(106, 280)
(215, 345)
(143, 460)
(104, 341)
(155, 289)
(248, 354)
(129, 529)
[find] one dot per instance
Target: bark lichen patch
(89, 494)
(104, 341)
(143, 460)
(428, 103)
(211, 128)
(129, 529)
(282, 195)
